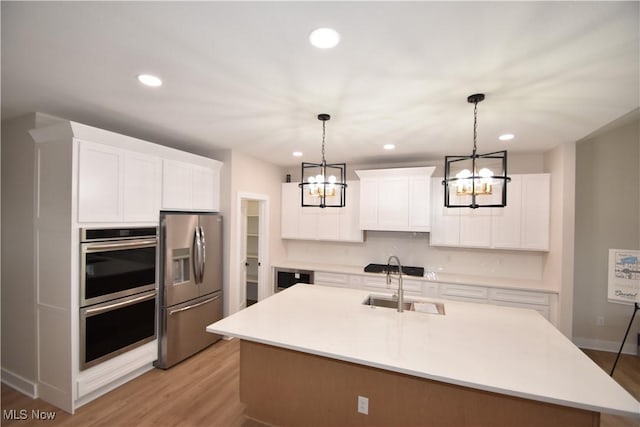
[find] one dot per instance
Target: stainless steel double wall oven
(117, 291)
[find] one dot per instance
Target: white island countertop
(505, 350)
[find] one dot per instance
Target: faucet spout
(400, 289)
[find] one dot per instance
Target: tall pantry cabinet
(88, 177)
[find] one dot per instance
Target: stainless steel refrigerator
(190, 284)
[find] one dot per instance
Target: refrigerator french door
(190, 284)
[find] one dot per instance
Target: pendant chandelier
(478, 180)
(323, 185)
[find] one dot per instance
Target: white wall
(607, 216)
(558, 264)
(18, 272)
(250, 175)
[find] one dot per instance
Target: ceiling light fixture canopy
(149, 80)
(323, 185)
(324, 38)
(478, 180)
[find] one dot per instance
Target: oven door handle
(189, 307)
(95, 311)
(125, 245)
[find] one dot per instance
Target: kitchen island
(310, 354)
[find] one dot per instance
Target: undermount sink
(410, 305)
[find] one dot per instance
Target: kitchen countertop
(439, 277)
(505, 350)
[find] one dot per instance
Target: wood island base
(290, 388)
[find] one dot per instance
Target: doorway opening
(253, 248)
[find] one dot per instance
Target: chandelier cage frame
(476, 185)
(330, 190)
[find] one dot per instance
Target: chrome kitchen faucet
(400, 290)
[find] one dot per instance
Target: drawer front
(464, 293)
(378, 283)
(331, 279)
(543, 310)
(523, 297)
(412, 286)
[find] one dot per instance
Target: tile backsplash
(413, 249)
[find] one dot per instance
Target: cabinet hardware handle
(116, 246)
(189, 307)
(95, 311)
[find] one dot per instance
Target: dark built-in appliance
(117, 291)
(383, 268)
(286, 277)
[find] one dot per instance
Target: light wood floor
(204, 391)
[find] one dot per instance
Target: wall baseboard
(630, 346)
(19, 383)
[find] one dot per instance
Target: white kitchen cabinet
(464, 227)
(522, 225)
(445, 222)
(99, 183)
(475, 228)
(289, 211)
(331, 279)
(524, 222)
(541, 302)
(190, 186)
(205, 183)
(88, 175)
(116, 185)
(395, 199)
(313, 223)
(141, 187)
(536, 206)
(477, 294)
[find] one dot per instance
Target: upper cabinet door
(177, 185)
(536, 206)
(99, 183)
(187, 186)
(395, 199)
(117, 185)
(289, 216)
(419, 202)
(445, 223)
(507, 222)
(368, 203)
(205, 196)
(393, 202)
(141, 187)
(313, 223)
(522, 225)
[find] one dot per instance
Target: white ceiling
(242, 75)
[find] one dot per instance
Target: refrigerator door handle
(203, 253)
(197, 250)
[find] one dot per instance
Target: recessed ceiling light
(149, 80)
(297, 153)
(324, 38)
(506, 137)
(388, 146)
